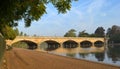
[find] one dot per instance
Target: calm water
(110, 55)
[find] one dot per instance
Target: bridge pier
(78, 44)
(93, 46)
(61, 45)
(38, 46)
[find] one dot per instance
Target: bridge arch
(49, 45)
(25, 44)
(99, 43)
(17, 40)
(70, 44)
(80, 41)
(85, 44)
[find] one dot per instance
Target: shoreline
(27, 59)
(81, 59)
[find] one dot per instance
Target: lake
(109, 55)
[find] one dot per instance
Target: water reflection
(100, 56)
(114, 53)
(49, 45)
(71, 54)
(83, 55)
(111, 55)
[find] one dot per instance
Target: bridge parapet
(57, 37)
(60, 40)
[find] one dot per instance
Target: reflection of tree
(71, 54)
(83, 55)
(100, 56)
(52, 46)
(114, 53)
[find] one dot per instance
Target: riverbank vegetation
(113, 33)
(99, 32)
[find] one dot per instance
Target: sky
(84, 15)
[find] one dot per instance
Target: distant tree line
(112, 33)
(99, 32)
(70, 33)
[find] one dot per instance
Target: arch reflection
(49, 45)
(99, 44)
(70, 44)
(86, 44)
(25, 44)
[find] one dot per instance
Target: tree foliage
(99, 32)
(83, 34)
(114, 34)
(16, 31)
(13, 10)
(114, 30)
(70, 33)
(8, 32)
(21, 33)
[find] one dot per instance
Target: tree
(11, 11)
(21, 33)
(114, 30)
(16, 31)
(99, 32)
(83, 34)
(108, 34)
(25, 34)
(114, 34)
(115, 38)
(9, 32)
(34, 35)
(92, 35)
(70, 33)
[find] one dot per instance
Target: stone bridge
(59, 41)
